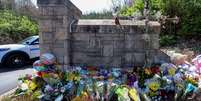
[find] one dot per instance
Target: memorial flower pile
(165, 82)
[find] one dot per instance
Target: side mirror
(27, 43)
(35, 43)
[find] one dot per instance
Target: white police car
(19, 54)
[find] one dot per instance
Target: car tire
(16, 60)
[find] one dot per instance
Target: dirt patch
(6, 40)
(183, 45)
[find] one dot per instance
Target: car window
(36, 42)
(28, 40)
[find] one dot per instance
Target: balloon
(37, 63)
(38, 66)
(48, 59)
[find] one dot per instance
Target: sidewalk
(7, 94)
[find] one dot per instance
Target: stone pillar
(55, 17)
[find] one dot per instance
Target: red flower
(155, 70)
(39, 74)
(162, 93)
(91, 68)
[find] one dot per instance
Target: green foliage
(167, 40)
(155, 6)
(138, 6)
(196, 49)
(98, 15)
(15, 26)
(188, 12)
(191, 17)
(171, 8)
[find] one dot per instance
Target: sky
(87, 6)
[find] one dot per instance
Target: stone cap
(66, 3)
(109, 26)
(111, 22)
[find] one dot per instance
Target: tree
(26, 7)
(138, 7)
(98, 15)
(190, 17)
(23, 7)
(188, 12)
(7, 4)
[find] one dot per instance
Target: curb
(7, 93)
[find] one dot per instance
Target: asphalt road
(9, 76)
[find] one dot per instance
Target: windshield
(28, 40)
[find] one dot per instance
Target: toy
(178, 58)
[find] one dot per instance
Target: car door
(34, 49)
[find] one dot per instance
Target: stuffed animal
(178, 59)
(190, 54)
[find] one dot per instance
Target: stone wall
(101, 42)
(95, 42)
(54, 21)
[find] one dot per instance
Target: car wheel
(16, 60)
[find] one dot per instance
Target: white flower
(24, 86)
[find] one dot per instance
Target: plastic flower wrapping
(165, 82)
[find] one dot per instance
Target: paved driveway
(9, 76)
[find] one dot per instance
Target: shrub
(16, 26)
(167, 40)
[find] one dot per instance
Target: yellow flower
(147, 71)
(133, 94)
(191, 80)
(71, 76)
(171, 71)
(77, 78)
(110, 78)
(32, 86)
(154, 86)
(45, 75)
